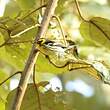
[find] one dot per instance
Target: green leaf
(1, 39)
(3, 89)
(49, 100)
(97, 30)
(2, 106)
(3, 28)
(3, 75)
(11, 53)
(43, 65)
(12, 9)
(18, 43)
(26, 4)
(11, 28)
(18, 52)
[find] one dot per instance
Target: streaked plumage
(57, 52)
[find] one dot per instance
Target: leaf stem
(79, 10)
(42, 6)
(25, 30)
(36, 88)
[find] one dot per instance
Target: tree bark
(33, 55)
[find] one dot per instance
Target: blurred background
(87, 92)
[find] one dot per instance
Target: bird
(61, 56)
(57, 53)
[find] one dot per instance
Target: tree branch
(33, 55)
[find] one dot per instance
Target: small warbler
(61, 56)
(58, 54)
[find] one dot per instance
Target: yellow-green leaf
(43, 65)
(49, 100)
(97, 29)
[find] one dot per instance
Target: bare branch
(33, 55)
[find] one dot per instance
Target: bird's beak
(39, 41)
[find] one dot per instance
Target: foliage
(97, 29)
(18, 28)
(57, 99)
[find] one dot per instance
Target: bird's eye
(48, 42)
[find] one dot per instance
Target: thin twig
(16, 35)
(20, 20)
(38, 95)
(25, 30)
(35, 85)
(61, 28)
(18, 72)
(33, 55)
(22, 32)
(79, 10)
(42, 6)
